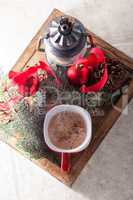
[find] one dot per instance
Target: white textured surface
(109, 174)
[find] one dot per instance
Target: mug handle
(65, 162)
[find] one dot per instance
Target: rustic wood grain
(29, 57)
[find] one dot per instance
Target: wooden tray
(101, 125)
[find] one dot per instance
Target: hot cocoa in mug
(67, 130)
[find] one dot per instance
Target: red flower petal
(99, 55)
(30, 86)
(35, 84)
(22, 77)
(92, 60)
(12, 74)
(21, 90)
(97, 86)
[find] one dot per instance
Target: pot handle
(40, 45)
(91, 40)
(65, 162)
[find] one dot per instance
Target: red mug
(66, 153)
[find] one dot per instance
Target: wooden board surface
(30, 57)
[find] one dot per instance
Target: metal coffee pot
(65, 40)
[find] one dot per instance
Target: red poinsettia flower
(28, 80)
(79, 73)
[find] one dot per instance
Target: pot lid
(66, 36)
